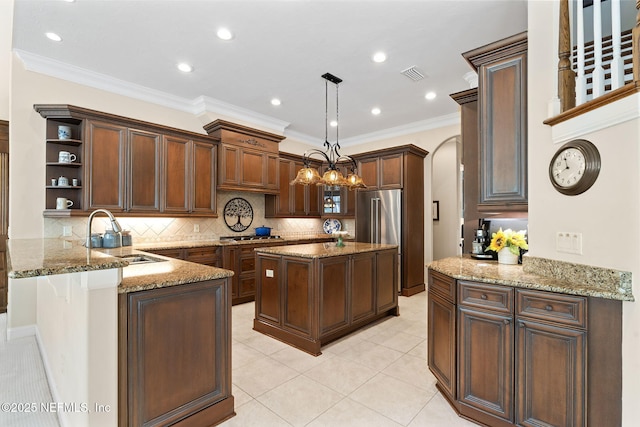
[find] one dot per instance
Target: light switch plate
(569, 242)
(196, 228)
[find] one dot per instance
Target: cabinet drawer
(489, 297)
(247, 263)
(171, 253)
(442, 285)
(207, 256)
(559, 308)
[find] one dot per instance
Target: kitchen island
(142, 344)
(308, 295)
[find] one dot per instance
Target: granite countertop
(43, 257)
(536, 274)
(324, 250)
(185, 244)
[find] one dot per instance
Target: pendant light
(332, 176)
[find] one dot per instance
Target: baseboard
(55, 396)
(21, 332)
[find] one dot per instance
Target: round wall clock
(238, 214)
(574, 168)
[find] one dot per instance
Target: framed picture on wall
(435, 210)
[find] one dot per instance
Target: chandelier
(332, 176)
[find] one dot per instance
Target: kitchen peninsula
(117, 329)
(308, 295)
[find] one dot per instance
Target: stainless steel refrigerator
(379, 220)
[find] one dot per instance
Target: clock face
(575, 167)
(568, 167)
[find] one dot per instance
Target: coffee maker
(482, 239)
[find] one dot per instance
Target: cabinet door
(272, 175)
(391, 171)
(105, 158)
(503, 137)
(299, 194)
(253, 168)
(231, 261)
(386, 280)
(298, 296)
(268, 298)
(204, 185)
(485, 367)
(441, 346)
(176, 174)
(287, 174)
(314, 192)
(550, 380)
(369, 171)
(229, 167)
(334, 293)
(143, 171)
(363, 286)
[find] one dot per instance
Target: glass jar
(111, 239)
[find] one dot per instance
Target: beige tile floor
(377, 376)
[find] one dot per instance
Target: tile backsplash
(144, 230)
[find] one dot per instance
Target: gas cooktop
(249, 237)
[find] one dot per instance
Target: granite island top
(43, 257)
(535, 274)
(324, 250)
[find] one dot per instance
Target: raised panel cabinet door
(369, 169)
(105, 171)
(287, 174)
(314, 194)
(268, 297)
(386, 280)
(441, 345)
(299, 194)
(272, 178)
(503, 137)
(143, 171)
(231, 261)
(550, 375)
(334, 293)
(363, 286)
(229, 167)
(204, 178)
(297, 310)
(178, 352)
(391, 171)
(176, 180)
(485, 365)
(253, 168)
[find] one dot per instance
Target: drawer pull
(548, 308)
(483, 296)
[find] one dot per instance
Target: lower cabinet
(207, 255)
(507, 356)
(175, 356)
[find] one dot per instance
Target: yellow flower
(509, 239)
(498, 241)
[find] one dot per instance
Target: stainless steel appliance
(379, 220)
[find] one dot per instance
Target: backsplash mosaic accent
(145, 230)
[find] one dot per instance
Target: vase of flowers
(508, 244)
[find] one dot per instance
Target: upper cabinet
(381, 172)
(293, 201)
(502, 123)
(126, 166)
(248, 158)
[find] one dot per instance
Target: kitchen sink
(134, 259)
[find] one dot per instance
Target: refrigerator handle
(377, 221)
(372, 221)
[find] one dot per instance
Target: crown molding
(204, 104)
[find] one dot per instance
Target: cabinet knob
(506, 321)
(483, 296)
(548, 308)
(521, 324)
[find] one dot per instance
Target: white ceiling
(280, 49)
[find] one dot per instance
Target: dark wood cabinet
(207, 255)
(175, 355)
(128, 166)
(293, 201)
(248, 158)
(338, 202)
(307, 302)
(525, 357)
(380, 172)
(502, 113)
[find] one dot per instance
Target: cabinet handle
(483, 296)
(521, 324)
(506, 321)
(548, 308)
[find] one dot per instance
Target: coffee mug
(66, 157)
(62, 203)
(64, 132)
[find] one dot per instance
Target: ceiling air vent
(413, 73)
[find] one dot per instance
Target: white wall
(6, 27)
(445, 188)
(606, 215)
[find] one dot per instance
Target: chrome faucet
(114, 224)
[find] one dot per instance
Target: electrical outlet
(569, 242)
(66, 230)
(269, 273)
(196, 228)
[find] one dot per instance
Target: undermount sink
(133, 259)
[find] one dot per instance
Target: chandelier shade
(332, 175)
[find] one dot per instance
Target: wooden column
(566, 76)
(636, 46)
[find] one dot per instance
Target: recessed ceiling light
(69, 1)
(53, 36)
(430, 95)
(379, 57)
(275, 101)
(224, 34)
(375, 111)
(184, 67)
(333, 123)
